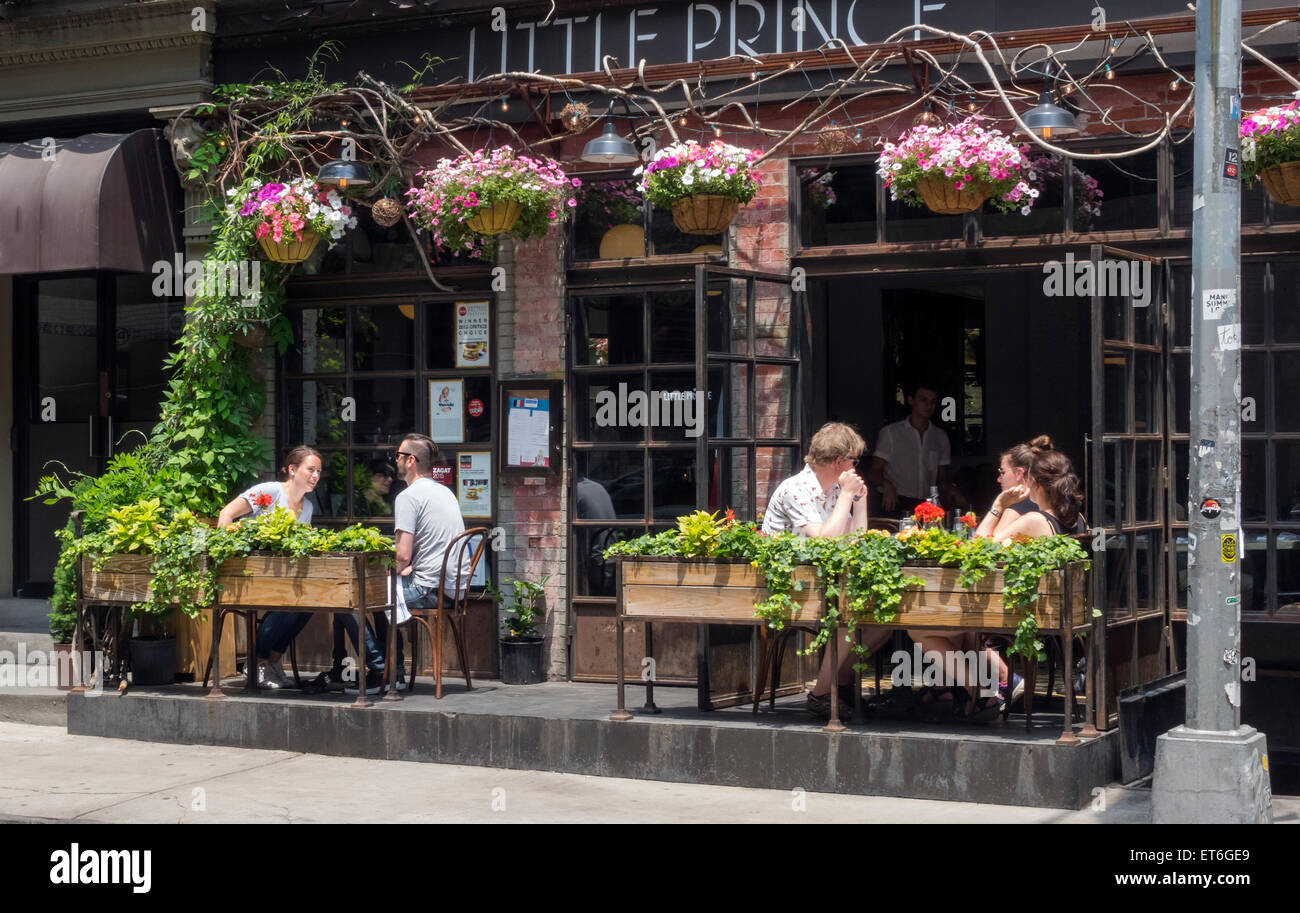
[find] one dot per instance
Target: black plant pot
(521, 660)
(153, 660)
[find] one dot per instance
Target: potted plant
(467, 200)
(63, 619)
(956, 168)
(702, 185)
(1270, 151)
(521, 645)
(288, 220)
(616, 210)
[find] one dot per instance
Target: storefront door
(89, 358)
(1128, 472)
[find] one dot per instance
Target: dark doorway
(89, 352)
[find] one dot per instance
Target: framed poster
(472, 330)
(447, 411)
(531, 425)
(474, 478)
(445, 475)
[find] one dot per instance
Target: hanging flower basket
(496, 220)
(1283, 183)
(942, 196)
(468, 200)
(704, 213)
(702, 185)
(288, 220)
(289, 249)
(956, 168)
(1270, 151)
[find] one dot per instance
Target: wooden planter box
(273, 581)
(712, 590)
(945, 603)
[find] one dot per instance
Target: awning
(100, 201)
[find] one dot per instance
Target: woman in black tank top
(1056, 489)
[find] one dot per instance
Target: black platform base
(564, 727)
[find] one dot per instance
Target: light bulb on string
(717, 131)
(753, 75)
(1173, 86)
(505, 105)
(1110, 74)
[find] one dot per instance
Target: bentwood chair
(452, 607)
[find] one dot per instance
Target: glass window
(729, 481)
(147, 327)
(382, 338)
(728, 400)
(673, 485)
(385, 410)
(1254, 302)
(1147, 482)
(611, 484)
(1118, 552)
(608, 330)
(1179, 470)
(1128, 190)
(1181, 366)
(313, 413)
(1254, 481)
(1287, 459)
(608, 222)
(600, 407)
(672, 327)
(320, 336)
(905, 222)
(1252, 198)
(772, 325)
(593, 575)
(667, 239)
(1254, 572)
(728, 317)
(837, 204)
(1286, 301)
(1146, 387)
(773, 386)
(441, 346)
(1147, 554)
(375, 484)
(773, 465)
(1180, 301)
(1286, 384)
(680, 416)
(1115, 379)
(1047, 217)
(1254, 378)
(1288, 572)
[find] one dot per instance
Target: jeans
(278, 630)
(376, 641)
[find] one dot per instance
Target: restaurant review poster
(472, 324)
(474, 474)
(447, 411)
(529, 431)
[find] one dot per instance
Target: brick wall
(533, 511)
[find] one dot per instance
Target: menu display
(474, 472)
(472, 334)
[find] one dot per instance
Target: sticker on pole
(1210, 508)
(1231, 162)
(1215, 302)
(1228, 547)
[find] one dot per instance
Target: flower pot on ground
(702, 185)
(464, 202)
(521, 644)
(288, 220)
(1270, 151)
(956, 168)
(153, 660)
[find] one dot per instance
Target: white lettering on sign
(1215, 302)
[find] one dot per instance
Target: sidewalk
(52, 776)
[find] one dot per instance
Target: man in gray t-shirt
(426, 517)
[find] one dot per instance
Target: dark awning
(101, 201)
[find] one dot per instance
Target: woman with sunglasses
(1013, 502)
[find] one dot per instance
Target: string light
(683, 120)
(505, 105)
(1110, 74)
(792, 63)
(971, 106)
(1173, 86)
(753, 75)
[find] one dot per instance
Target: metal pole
(1212, 769)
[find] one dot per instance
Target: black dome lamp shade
(609, 148)
(343, 174)
(1047, 119)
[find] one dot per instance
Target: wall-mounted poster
(472, 327)
(528, 428)
(474, 473)
(445, 475)
(447, 411)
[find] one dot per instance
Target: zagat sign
(685, 32)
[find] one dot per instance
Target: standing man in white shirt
(911, 456)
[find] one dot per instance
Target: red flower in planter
(731, 516)
(925, 512)
(968, 520)
(263, 500)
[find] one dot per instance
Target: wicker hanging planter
(942, 196)
(496, 220)
(289, 249)
(1283, 183)
(704, 213)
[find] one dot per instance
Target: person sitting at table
(1013, 473)
(1054, 487)
(827, 498)
(301, 472)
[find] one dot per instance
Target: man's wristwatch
(995, 512)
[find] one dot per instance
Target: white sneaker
(275, 672)
(267, 679)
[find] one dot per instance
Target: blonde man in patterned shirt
(828, 498)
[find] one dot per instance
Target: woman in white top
(301, 472)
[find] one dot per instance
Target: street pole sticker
(1231, 162)
(1228, 547)
(1210, 508)
(1215, 302)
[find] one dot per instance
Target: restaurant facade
(811, 307)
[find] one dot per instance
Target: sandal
(986, 709)
(936, 705)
